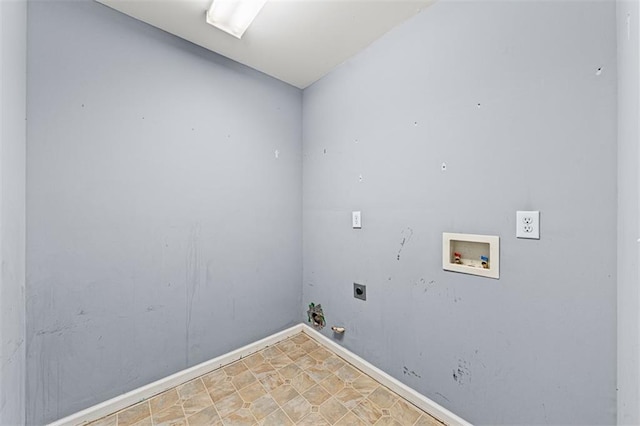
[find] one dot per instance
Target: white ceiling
(296, 41)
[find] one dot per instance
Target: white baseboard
(140, 394)
(417, 399)
(145, 392)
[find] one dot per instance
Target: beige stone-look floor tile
(190, 389)
(252, 392)
(295, 354)
(287, 346)
(383, 398)
(305, 362)
(427, 420)
(332, 384)
(349, 397)
(208, 416)
(272, 381)
(229, 405)
(221, 391)
(263, 370)
(289, 371)
(163, 401)
(350, 420)
(365, 384)
(270, 352)
(296, 382)
(214, 379)
(242, 417)
(111, 420)
(145, 422)
(321, 354)
(317, 373)
(196, 403)
(132, 415)
(388, 421)
(309, 346)
(253, 360)
(284, 394)
(277, 418)
(332, 410)
(313, 419)
(297, 408)
(333, 363)
(368, 412)
(404, 412)
(280, 361)
(316, 395)
(263, 406)
(302, 382)
(172, 416)
(243, 379)
(235, 368)
(300, 338)
(347, 373)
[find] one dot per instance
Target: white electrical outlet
(356, 221)
(528, 224)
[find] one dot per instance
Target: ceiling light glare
(234, 16)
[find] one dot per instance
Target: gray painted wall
(13, 77)
(507, 94)
(163, 230)
(628, 17)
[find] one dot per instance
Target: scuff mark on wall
(462, 374)
(9, 359)
(408, 372)
(406, 237)
(192, 279)
(442, 396)
(423, 283)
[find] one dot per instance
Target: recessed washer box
(471, 254)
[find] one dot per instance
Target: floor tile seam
(202, 409)
(345, 415)
(284, 412)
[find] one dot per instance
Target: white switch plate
(356, 221)
(528, 224)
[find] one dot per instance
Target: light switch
(356, 221)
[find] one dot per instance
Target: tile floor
(295, 382)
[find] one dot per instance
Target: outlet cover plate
(528, 225)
